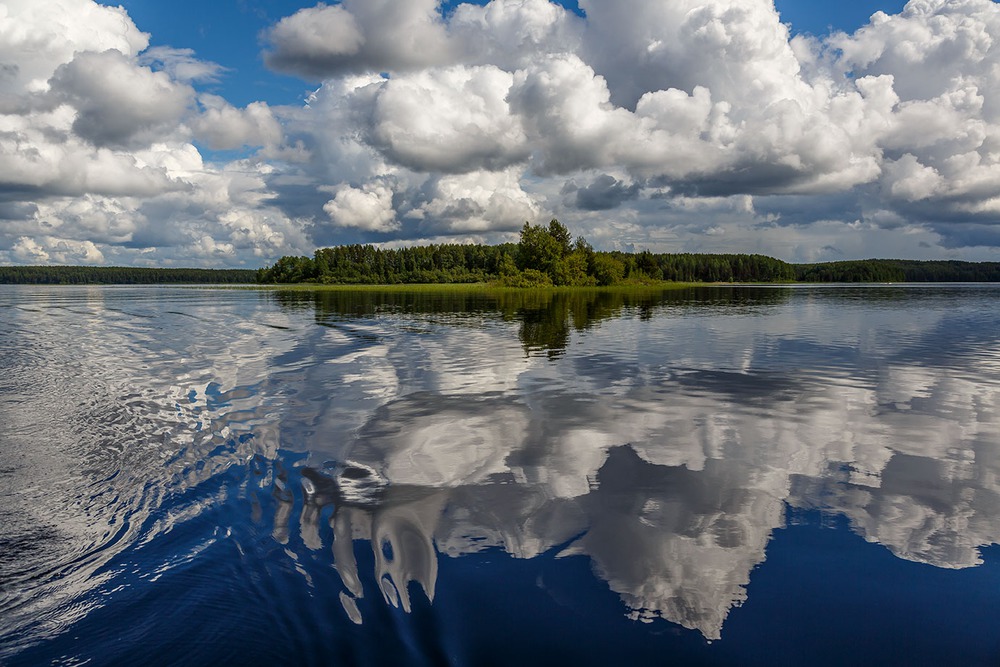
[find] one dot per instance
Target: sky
(232, 132)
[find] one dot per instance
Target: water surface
(752, 476)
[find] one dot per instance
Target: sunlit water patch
(773, 475)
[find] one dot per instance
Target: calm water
(745, 476)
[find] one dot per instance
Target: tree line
(544, 255)
(898, 271)
(120, 275)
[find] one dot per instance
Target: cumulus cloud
(452, 120)
(223, 126)
(477, 202)
(942, 145)
(118, 103)
(358, 36)
(369, 208)
(38, 37)
(736, 48)
(96, 159)
(46, 250)
(698, 99)
(627, 122)
(511, 34)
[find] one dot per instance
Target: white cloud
(910, 180)
(95, 153)
(478, 202)
(511, 34)
(37, 37)
(223, 126)
(454, 119)
(927, 46)
(736, 48)
(464, 124)
(358, 36)
(117, 102)
(181, 64)
(50, 250)
(369, 208)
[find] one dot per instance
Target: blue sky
(232, 132)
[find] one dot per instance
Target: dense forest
(898, 271)
(120, 275)
(544, 255)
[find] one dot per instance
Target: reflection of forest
(546, 317)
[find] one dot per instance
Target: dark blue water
(725, 476)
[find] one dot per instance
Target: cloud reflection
(660, 435)
(665, 449)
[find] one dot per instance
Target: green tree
(606, 269)
(538, 249)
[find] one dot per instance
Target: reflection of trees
(546, 317)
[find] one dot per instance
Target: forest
(544, 256)
(898, 271)
(120, 275)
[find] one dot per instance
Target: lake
(712, 476)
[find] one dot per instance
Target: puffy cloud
(314, 40)
(477, 202)
(118, 103)
(96, 162)
(567, 108)
(736, 48)
(910, 180)
(369, 208)
(941, 146)
(223, 126)
(42, 155)
(512, 34)
(453, 120)
(49, 250)
(928, 47)
(358, 36)
(38, 37)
